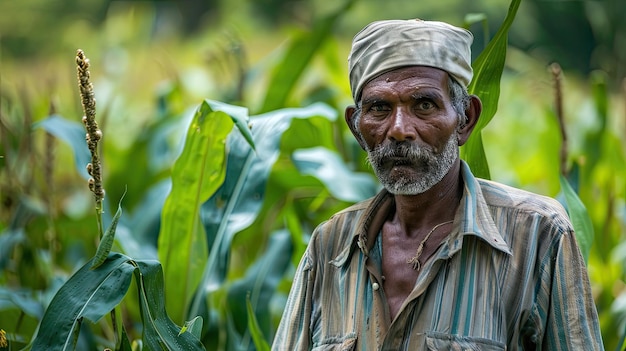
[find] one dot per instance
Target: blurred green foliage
(154, 62)
(581, 35)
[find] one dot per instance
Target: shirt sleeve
(570, 316)
(293, 332)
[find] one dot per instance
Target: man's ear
(472, 113)
(349, 115)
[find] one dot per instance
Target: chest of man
(455, 302)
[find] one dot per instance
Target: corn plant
(210, 207)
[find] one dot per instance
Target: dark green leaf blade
(259, 286)
(159, 331)
(106, 243)
(88, 293)
(124, 343)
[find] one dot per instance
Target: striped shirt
(509, 276)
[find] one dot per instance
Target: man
(438, 260)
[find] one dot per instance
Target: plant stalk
(557, 74)
(93, 136)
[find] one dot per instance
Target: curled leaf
(106, 243)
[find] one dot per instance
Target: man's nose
(402, 127)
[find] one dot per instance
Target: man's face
(409, 128)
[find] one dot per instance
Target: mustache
(410, 152)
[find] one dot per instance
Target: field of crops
(220, 150)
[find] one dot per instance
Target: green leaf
(193, 326)
(92, 293)
(580, 218)
(476, 157)
(144, 222)
(297, 59)
(488, 68)
(89, 293)
(258, 286)
(106, 243)
(257, 335)
(196, 174)
(21, 299)
(125, 343)
(235, 205)
(159, 332)
(9, 239)
(72, 133)
(27, 209)
(342, 183)
(239, 116)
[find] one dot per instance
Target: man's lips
(402, 162)
(399, 161)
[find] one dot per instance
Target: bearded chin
(434, 166)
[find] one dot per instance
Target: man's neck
(437, 205)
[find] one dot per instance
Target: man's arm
(572, 320)
(294, 329)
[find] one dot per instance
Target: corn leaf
(106, 242)
(193, 326)
(124, 342)
(73, 134)
(257, 288)
(488, 68)
(196, 174)
(580, 218)
(159, 332)
(297, 59)
(9, 239)
(330, 169)
(257, 335)
(235, 205)
(90, 294)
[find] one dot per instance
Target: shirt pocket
(347, 343)
(440, 341)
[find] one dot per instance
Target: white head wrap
(383, 46)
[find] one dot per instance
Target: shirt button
(375, 286)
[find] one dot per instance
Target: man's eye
(379, 108)
(425, 105)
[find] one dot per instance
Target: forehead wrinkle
(412, 83)
(419, 94)
(371, 100)
(377, 94)
(432, 95)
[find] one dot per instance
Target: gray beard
(428, 167)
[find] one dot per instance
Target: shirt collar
(472, 218)
(474, 214)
